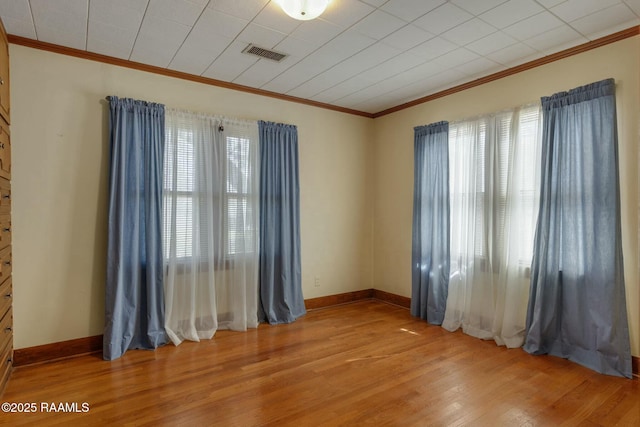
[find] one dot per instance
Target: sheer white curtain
(210, 224)
(494, 204)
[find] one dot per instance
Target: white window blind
(231, 196)
(481, 153)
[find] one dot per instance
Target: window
(241, 230)
(493, 177)
(209, 193)
(178, 190)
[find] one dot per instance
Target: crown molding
(603, 41)
(63, 50)
(50, 47)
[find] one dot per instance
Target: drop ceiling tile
(571, 10)
(71, 38)
(158, 41)
(480, 67)
(260, 36)
(419, 72)
(110, 40)
(393, 66)
(354, 54)
(296, 75)
(313, 86)
(407, 37)
(343, 89)
(245, 9)
(352, 66)
(231, 63)
(491, 43)
(378, 25)
(442, 19)
(410, 10)
(455, 58)
(316, 32)
(113, 26)
(634, 5)
(271, 16)
(613, 18)
(557, 39)
(550, 3)
(184, 12)
(213, 23)
(534, 56)
(213, 32)
(534, 25)
(468, 32)
(295, 47)
(354, 100)
(383, 87)
(511, 12)
(118, 13)
(343, 46)
(17, 19)
(16, 9)
(476, 7)
(18, 27)
(433, 48)
(367, 58)
(370, 106)
(62, 22)
(375, 3)
(443, 80)
(345, 13)
(104, 48)
(194, 58)
(510, 55)
(263, 72)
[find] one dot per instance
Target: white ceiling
(367, 55)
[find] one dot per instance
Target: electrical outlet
(316, 282)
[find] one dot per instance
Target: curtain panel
(211, 227)
(493, 190)
(134, 302)
(281, 299)
(430, 241)
(493, 199)
(577, 307)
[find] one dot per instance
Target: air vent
(264, 53)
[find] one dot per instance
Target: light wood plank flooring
(366, 363)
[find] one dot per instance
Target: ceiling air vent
(264, 53)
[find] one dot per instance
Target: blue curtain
(281, 299)
(134, 306)
(577, 307)
(430, 254)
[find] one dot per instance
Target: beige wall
(60, 170)
(393, 159)
(356, 177)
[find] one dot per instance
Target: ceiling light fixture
(303, 10)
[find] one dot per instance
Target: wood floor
(366, 363)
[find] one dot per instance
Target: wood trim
(330, 300)
(80, 346)
(603, 41)
(50, 47)
(58, 350)
(88, 345)
(387, 297)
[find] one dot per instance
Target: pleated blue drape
(430, 243)
(281, 299)
(577, 308)
(134, 306)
